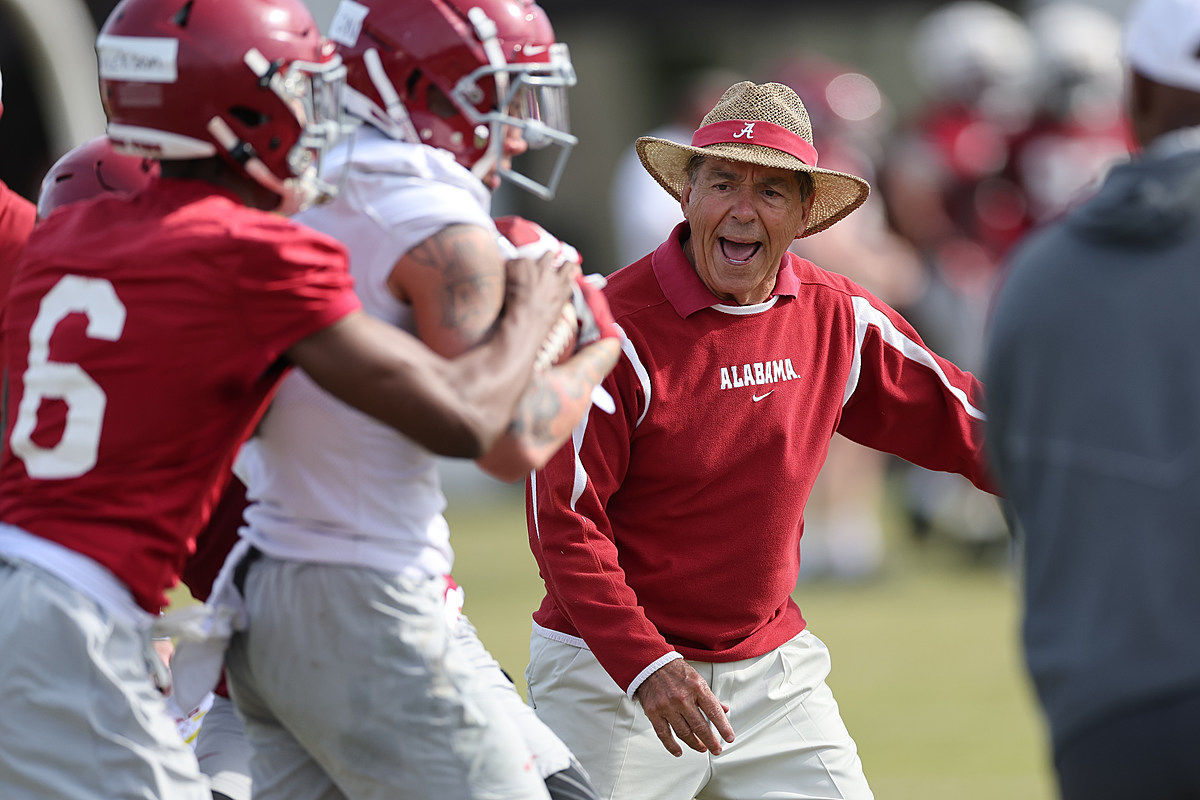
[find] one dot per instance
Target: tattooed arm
(454, 281)
(554, 402)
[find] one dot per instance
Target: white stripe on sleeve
(866, 315)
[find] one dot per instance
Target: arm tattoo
(539, 412)
(471, 276)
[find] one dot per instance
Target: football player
(346, 516)
(89, 170)
(144, 334)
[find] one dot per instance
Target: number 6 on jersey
(77, 448)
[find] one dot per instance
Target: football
(530, 240)
(559, 344)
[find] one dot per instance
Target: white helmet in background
(1079, 73)
(975, 53)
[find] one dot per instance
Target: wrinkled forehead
(727, 169)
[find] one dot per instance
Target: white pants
(81, 716)
(351, 685)
(549, 753)
(790, 741)
(224, 753)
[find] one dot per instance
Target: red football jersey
(143, 336)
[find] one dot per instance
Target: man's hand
(677, 700)
(539, 287)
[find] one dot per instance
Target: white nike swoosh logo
(535, 49)
(757, 397)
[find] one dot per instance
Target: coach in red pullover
(667, 533)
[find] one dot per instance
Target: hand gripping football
(530, 240)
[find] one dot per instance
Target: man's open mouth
(739, 252)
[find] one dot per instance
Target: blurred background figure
(945, 179)
(642, 213)
(16, 222)
(948, 186)
(843, 520)
(1079, 128)
(17, 218)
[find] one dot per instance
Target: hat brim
(836, 195)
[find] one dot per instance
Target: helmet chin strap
(491, 156)
(295, 194)
(486, 30)
(398, 123)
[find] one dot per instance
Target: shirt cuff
(650, 670)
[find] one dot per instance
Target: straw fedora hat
(764, 124)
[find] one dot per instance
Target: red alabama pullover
(672, 526)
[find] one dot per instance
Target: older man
(667, 533)
(1096, 399)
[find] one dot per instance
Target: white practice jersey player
(329, 483)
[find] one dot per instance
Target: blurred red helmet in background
(91, 169)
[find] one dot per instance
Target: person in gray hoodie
(1093, 381)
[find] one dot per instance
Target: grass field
(926, 663)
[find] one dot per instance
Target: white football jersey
(327, 482)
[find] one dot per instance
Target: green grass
(926, 670)
(926, 662)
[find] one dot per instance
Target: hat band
(759, 132)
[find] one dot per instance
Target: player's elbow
(506, 463)
(515, 456)
(459, 438)
(467, 447)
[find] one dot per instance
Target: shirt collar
(684, 289)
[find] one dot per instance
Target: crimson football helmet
(90, 169)
(455, 74)
(252, 81)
